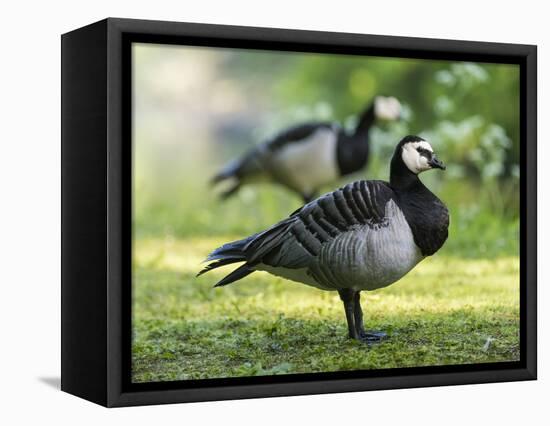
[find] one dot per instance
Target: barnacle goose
(363, 236)
(303, 158)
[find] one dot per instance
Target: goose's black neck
(426, 215)
(366, 120)
(401, 178)
(353, 149)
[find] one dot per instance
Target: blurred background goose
(364, 236)
(305, 157)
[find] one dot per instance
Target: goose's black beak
(436, 164)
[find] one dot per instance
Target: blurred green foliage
(195, 109)
(456, 103)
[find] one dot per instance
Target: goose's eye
(424, 152)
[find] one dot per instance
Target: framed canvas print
(253, 212)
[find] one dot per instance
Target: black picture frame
(96, 211)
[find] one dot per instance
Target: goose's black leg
(347, 296)
(358, 314)
(366, 336)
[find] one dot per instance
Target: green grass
(448, 310)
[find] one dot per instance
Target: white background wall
(30, 200)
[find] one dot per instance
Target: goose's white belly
(308, 164)
(364, 258)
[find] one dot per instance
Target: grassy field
(449, 310)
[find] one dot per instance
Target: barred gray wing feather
(296, 242)
(357, 204)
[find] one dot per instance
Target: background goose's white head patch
(417, 156)
(387, 108)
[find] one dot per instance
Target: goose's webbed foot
(354, 318)
(372, 336)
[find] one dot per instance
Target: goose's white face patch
(413, 159)
(387, 108)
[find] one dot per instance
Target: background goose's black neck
(353, 149)
(366, 120)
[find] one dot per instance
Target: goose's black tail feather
(224, 195)
(237, 274)
(223, 175)
(245, 168)
(225, 255)
(230, 172)
(250, 250)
